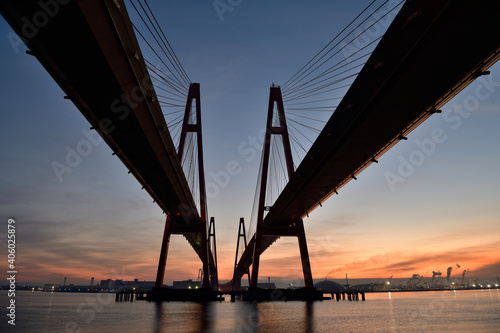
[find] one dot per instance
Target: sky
(97, 222)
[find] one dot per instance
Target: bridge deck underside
(432, 50)
(90, 50)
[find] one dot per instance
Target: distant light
(453, 283)
(489, 286)
(473, 285)
(133, 288)
(388, 282)
(196, 287)
(189, 287)
(496, 284)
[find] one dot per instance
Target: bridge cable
(163, 78)
(310, 102)
(310, 69)
(304, 92)
(173, 112)
(335, 67)
(169, 55)
(178, 84)
(317, 90)
(332, 69)
(291, 80)
(171, 48)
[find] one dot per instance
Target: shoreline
(434, 289)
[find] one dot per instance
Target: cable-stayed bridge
(418, 65)
(91, 51)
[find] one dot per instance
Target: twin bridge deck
(432, 50)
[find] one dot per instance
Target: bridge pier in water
(125, 296)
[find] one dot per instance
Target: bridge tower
(192, 124)
(212, 256)
(290, 228)
(241, 234)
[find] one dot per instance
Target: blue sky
(98, 222)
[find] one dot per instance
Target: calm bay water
(460, 311)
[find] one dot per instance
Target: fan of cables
(171, 83)
(312, 94)
(169, 77)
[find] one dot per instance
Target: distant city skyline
(403, 216)
(280, 282)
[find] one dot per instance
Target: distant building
(116, 285)
(263, 285)
(269, 285)
(188, 284)
(51, 287)
(107, 284)
(75, 288)
(329, 286)
(368, 287)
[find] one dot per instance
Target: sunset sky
(98, 222)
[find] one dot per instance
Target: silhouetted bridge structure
(90, 49)
(431, 51)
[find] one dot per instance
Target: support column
(256, 259)
(160, 275)
(304, 255)
(204, 253)
(212, 256)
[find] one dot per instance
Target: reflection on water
(159, 317)
(399, 312)
(309, 316)
(205, 312)
(390, 305)
(192, 317)
(248, 317)
(409, 312)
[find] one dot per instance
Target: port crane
(434, 274)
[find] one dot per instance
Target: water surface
(460, 311)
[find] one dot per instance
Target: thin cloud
(476, 257)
